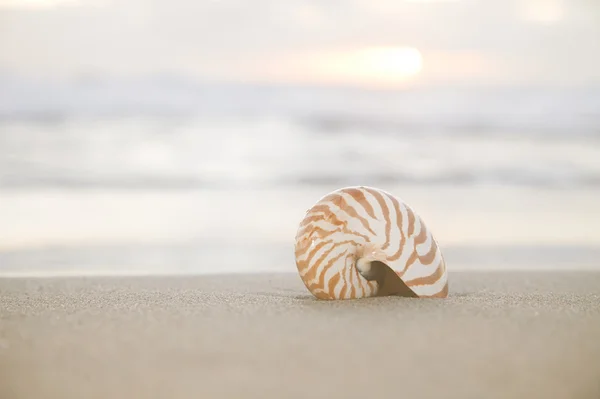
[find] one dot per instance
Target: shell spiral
(346, 231)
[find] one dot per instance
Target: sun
(389, 62)
(371, 66)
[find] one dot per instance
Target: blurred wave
(172, 133)
(435, 110)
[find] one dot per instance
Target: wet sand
(498, 335)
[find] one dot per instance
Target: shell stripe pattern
(340, 225)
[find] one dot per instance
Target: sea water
(168, 176)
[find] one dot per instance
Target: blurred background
(146, 136)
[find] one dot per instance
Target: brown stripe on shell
(312, 218)
(386, 215)
(320, 294)
(332, 283)
(320, 212)
(344, 286)
(314, 250)
(341, 203)
(429, 256)
(344, 280)
(398, 253)
(443, 293)
(411, 221)
(316, 230)
(409, 262)
(352, 289)
(360, 197)
(329, 214)
(333, 219)
(301, 245)
(359, 277)
(321, 282)
(422, 236)
(428, 280)
(425, 259)
(311, 273)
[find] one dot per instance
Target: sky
(364, 42)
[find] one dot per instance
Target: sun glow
(378, 66)
(389, 62)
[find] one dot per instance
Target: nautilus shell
(359, 242)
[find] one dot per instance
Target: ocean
(165, 175)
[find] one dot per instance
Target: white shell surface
(353, 222)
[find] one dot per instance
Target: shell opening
(388, 282)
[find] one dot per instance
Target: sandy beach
(498, 335)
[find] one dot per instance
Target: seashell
(359, 242)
